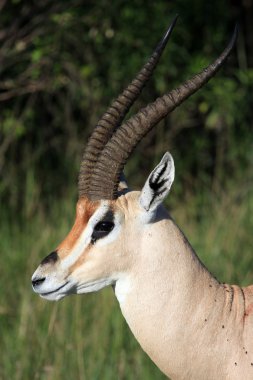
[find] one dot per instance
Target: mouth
(54, 291)
(57, 293)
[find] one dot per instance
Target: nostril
(38, 281)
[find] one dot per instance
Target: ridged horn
(114, 115)
(105, 178)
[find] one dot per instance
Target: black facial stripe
(51, 258)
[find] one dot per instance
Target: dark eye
(101, 229)
(104, 226)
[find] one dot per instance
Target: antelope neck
(174, 306)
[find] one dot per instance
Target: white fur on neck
(122, 289)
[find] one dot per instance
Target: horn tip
(234, 37)
(166, 36)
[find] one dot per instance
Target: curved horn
(125, 139)
(113, 117)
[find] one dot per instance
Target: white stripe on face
(85, 237)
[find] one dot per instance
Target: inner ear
(158, 183)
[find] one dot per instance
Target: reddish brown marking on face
(84, 210)
(83, 256)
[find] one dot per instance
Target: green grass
(85, 337)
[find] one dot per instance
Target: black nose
(51, 258)
(38, 281)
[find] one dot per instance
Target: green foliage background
(61, 63)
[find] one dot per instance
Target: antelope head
(111, 221)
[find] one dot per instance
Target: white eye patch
(85, 237)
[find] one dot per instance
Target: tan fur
(183, 318)
(191, 326)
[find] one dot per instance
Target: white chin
(94, 286)
(53, 296)
(59, 293)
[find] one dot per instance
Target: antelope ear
(158, 183)
(122, 183)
